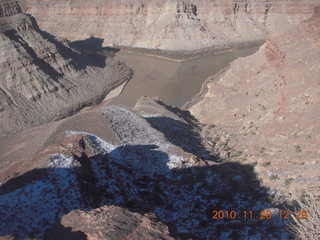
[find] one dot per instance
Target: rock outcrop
(168, 24)
(109, 223)
(268, 104)
(42, 78)
(145, 169)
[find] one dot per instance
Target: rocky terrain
(84, 225)
(42, 78)
(155, 171)
(152, 162)
(169, 24)
(267, 105)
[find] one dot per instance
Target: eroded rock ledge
(169, 24)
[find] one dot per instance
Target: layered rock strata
(268, 104)
(42, 78)
(167, 24)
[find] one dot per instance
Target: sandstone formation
(109, 223)
(141, 165)
(268, 104)
(169, 24)
(42, 78)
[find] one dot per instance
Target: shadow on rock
(79, 60)
(181, 134)
(138, 178)
(64, 233)
(91, 44)
(94, 46)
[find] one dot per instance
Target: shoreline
(204, 89)
(205, 54)
(187, 55)
(114, 92)
(116, 79)
(118, 84)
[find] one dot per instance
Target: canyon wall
(269, 104)
(10, 8)
(169, 24)
(42, 78)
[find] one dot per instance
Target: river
(173, 81)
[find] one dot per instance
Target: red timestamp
(259, 215)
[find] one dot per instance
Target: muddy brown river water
(173, 81)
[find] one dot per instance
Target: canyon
(42, 78)
(77, 163)
(272, 102)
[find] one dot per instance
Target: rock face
(169, 24)
(10, 8)
(41, 77)
(147, 170)
(104, 224)
(269, 104)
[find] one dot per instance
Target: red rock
(269, 102)
(112, 223)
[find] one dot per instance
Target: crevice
(236, 7)
(246, 7)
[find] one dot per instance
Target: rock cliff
(167, 24)
(269, 104)
(42, 78)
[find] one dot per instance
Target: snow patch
(61, 161)
(96, 141)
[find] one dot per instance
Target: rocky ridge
(167, 24)
(42, 78)
(146, 169)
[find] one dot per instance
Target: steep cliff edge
(42, 78)
(269, 105)
(167, 24)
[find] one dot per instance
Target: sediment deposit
(167, 24)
